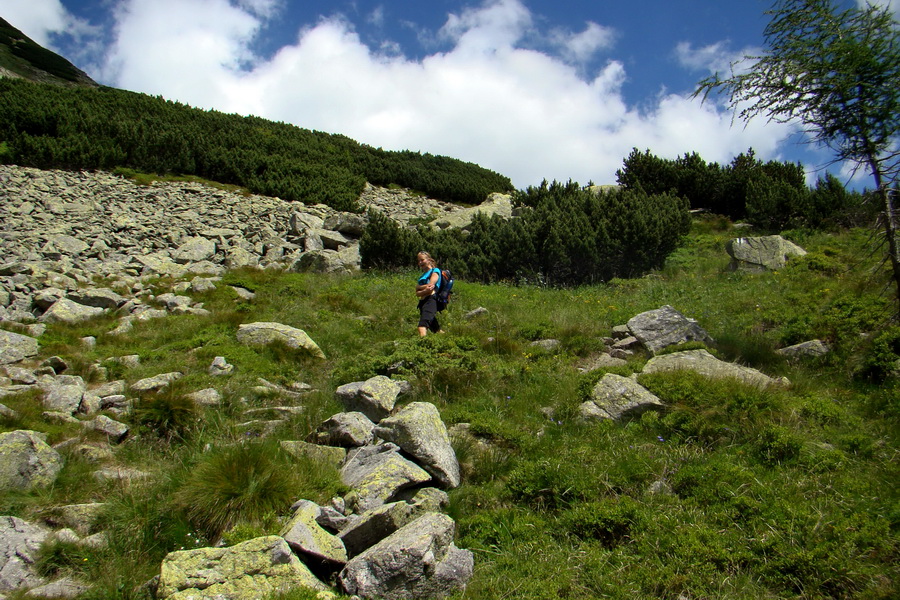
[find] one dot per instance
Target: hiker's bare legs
(423, 331)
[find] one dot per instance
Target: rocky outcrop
(375, 397)
(704, 363)
(26, 461)
(252, 569)
(417, 561)
(663, 327)
(15, 347)
(616, 397)
(764, 253)
(419, 431)
(19, 545)
(262, 334)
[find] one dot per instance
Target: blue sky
(532, 89)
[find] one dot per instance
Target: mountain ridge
(23, 58)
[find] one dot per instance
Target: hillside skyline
(530, 89)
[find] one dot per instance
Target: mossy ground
(729, 493)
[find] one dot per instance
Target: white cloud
(42, 19)
(714, 58)
(36, 18)
(488, 97)
(891, 5)
(182, 49)
(580, 47)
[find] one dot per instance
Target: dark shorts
(428, 313)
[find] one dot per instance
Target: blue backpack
(444, 290)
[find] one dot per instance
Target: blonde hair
(431, 262)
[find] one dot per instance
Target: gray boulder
(348, 429)
(26, 461)
(97, 297)
(496, 204)
(157, 382)
(307, 538)
(416, 562)
(420, 433)
(194, 250)
(810, 349)
(262, 333)
(69, 311)
(616, 397)
(768, 252)
(256, 568)
(377, 474)
(63, 245)
(704, 363)
(374, 525)
(665, 326)
(236, 258)
(114, 430)
(375, 397)
(61, 589)
(328, 455)
(345, 260)
(15, 347)
(63, 394)
(19, 545)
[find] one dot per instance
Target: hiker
(426, 287)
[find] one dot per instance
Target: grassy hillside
(55, 127)
(729, 493)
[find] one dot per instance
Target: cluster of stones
(386, 538)
(63, 230)
(617, 397)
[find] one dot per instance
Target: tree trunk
(890, 227)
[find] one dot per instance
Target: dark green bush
(169, 415)
(609, 521)
(776, 445)
(547, 484)
(883, 356)
(566, 236)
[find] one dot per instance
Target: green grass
(730, 493)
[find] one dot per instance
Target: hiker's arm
(423, 291)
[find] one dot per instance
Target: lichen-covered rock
(348, 429)
(26, 461)
(416, 562)
(420, 432)
(97, 297)
(374, 525)
(247, 571)
(768, 252)
(810, 349)
(15, 347)
(704, 363)
(69, 311)
(64, 396)
(328, 455)
(194, 250)
(262, 334)
(375, 397)
(616, 397)
(305, 536)
(19, 545)
(665, 326)
(377, 474)
(156, 382)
